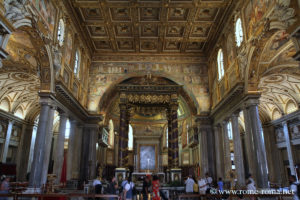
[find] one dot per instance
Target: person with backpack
(128, 191)
(295, 187)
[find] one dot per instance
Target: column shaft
(227, 157)
(38, 157)
(71, 149)
(238, 151)
(24, 152)
(289, 148)
(175, 136)
(219, 152)
(170, 138)
(275, 164)
(47, 144)
(255, 146)
(77, 152)
(92, 152)
(7, 140)
(59, 156)
(122, 136)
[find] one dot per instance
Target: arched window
(229, 130)
(111, 134)
(220, 64)
(68, 127)
(130, 138)
(77, 63)
(290, 107)
(61, 32)
(238, 32)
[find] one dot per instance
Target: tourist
(189, 184)
(155, 188)
(250, 185)
(112, 187)
(208, 180)
(220, 184)
(97, 185)
(294, 186)
(195, 186)
(128, 190)
(202, 185)
(4, 189)
(146, 185)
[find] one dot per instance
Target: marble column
(47, 144)
(255, 144)
(7, 140)
(238, 151)
(289, 147)
(39, 147)
(92, 151)
(122, 137)
(77, 152)
(24, 151)
(226, 146)
(275, 164)
(219, 152)
(59, 156)
(71, 143)
(175, 148)
(84, 163)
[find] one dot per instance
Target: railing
(61, 196)
(232, 196)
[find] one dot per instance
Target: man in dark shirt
(113, 187)
(146, 185)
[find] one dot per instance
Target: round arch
(110, 93)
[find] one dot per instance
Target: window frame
(239, 32)
(220, 63)
(60, 32)
(76, 68)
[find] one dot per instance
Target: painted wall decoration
(230, 53)
(47, 11)
(192, 75)
(254, 12)
(68, 49)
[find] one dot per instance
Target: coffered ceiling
(149, 26)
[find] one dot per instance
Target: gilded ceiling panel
(150, 24)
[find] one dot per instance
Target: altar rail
(57, 196)
(232, 196)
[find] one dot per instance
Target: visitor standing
(202, 185)
(294, 186)
(220, 184)
(128, 190)
(146, 185)
(4, 189)
(97, 186)
(189, 184)
(112, 187)
(195, 186)
(155, 188)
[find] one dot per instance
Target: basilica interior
(102, 88)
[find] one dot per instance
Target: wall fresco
(192, 76)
